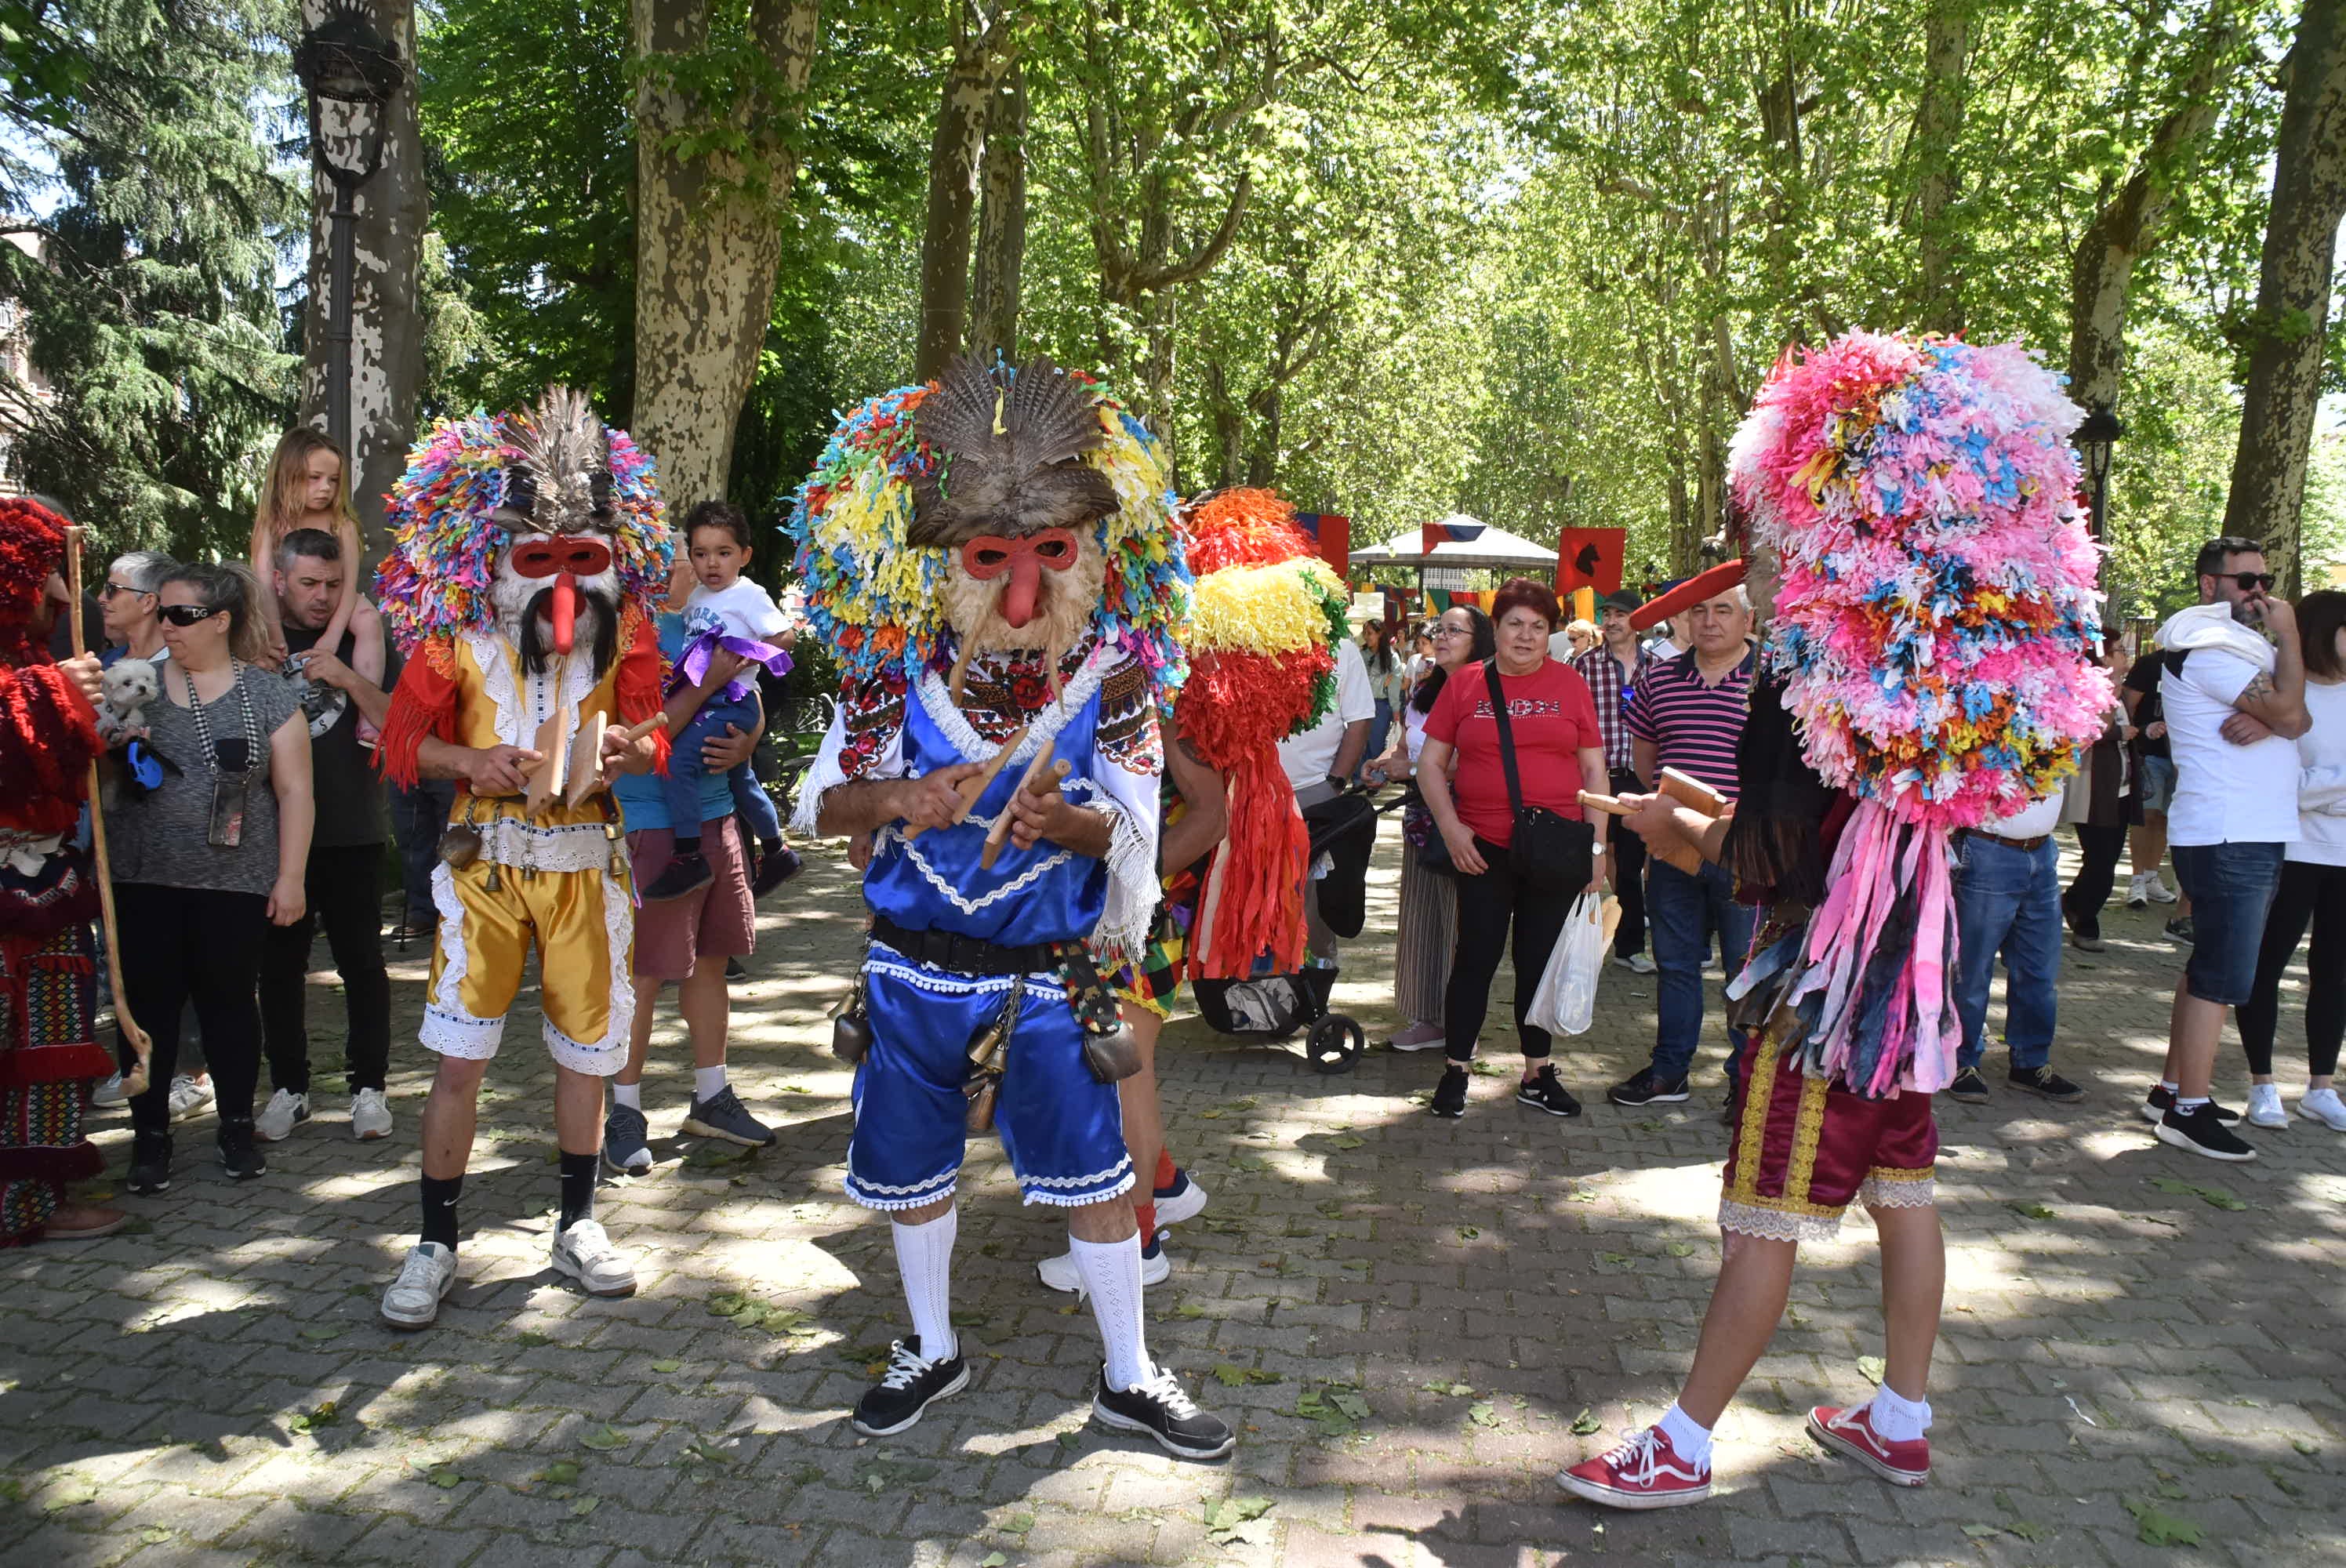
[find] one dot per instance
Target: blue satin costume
(1060, 1127)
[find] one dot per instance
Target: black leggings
(344, 884)
(2308, 895)
(1485, 905)
(2098, 873)
(198, 944)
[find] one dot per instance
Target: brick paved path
(1415, 1321)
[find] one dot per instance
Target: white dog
(130, 684)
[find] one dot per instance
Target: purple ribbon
(693, 668)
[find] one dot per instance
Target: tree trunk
(1001, 218)
(2129, 224)
(2293, 291)
(707, 236)
(1938, 127)
(980, 44)
(386, 327)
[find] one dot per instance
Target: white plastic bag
(1566, 1002)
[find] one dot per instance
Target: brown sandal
(83, 1222)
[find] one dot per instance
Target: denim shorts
(2157, 782)
(2231, 888)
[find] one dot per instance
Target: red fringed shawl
(48, 734)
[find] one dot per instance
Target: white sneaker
(2160, 894)
(1635, 963)
(1186, 1202)
(2264, 1107)
(189, 1096)
(2138, 892)
(2324, 1106)
(1060, 1273)
(370, 1114)
(108, 1091)
(414, 1299)
(285, 1110)
(587, 1254)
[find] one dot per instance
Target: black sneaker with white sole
(1968, 1086)
(723, 1115)
(2159, 1101)
(2201, 1132)
(2046, 1082)
(906, 1390)
(1543, 1092)
(1644, 1087)
(1449, 1095)
(1159, 1409)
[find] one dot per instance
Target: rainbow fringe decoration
(437, 579)
(876, 599)
(1936, 628)
(1261, 645)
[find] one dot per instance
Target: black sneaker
(2202, 1132)
(904, 1392)
(733, 970)
(1969, 1086)
(723, 1115)
(2159, 1101)
(1543, 1093)
(1642, 1088)
(682, 875)
(2181, 931)
(150, 1162)
(1159, 1409)
(2046, 1082)
(238, 1156)
(775, 867)
(1449, 1095)
(625, 1141)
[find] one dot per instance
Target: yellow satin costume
(557, 883)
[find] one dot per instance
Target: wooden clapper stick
(142, 1046)
(1043, 770)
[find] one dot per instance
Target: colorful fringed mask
(1020, 507)
(1934, 629)
(1266, 614)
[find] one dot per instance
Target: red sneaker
(1645, 1471)
(1851, 1431)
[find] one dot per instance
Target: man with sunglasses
(2234, 704)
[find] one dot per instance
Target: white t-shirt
(2321, 799)
(2224, 794)
(747, 609)
(2033, 821)
(1309, 757)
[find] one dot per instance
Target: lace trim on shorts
(1775, 1224)
(447, 1027)
(919, 1195)
(1886, 1187)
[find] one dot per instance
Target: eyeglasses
(2249, 582)
(1440, 632)
(190, 615)
(112, 588)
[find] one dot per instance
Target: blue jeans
(1380, 726)
(2007, 900)
(2231, 889)
(418, 817)
(1684, 913)
(681, 788)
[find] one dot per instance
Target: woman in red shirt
(1557, 745)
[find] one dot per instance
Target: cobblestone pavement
(1414, 1322)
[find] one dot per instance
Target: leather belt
(2025, 846)
(968, 954)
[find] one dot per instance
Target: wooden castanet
(999, 834)
(1676, 852)
(587, 773)
(971, 787)
(1692, 793)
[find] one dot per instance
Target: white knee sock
(1111, 1276)
(924, 1258)
(1688, 1436)
(1898, 1418)
(628, 1095)
(708, 1082)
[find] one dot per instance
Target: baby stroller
(1272, 1007)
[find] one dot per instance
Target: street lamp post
(2095, 437)
(344, 59)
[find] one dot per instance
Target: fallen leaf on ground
(1873, 1366)
(605, 1437)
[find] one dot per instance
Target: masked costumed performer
(1265, 618)
(993, 556)
(1930, 669)
(49, 1052)
(527, 555)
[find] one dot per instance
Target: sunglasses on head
(189, 614)
(2249, 582)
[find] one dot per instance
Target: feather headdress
(1004, 450)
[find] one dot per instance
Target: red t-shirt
(1553, 716)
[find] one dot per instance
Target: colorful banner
(1332, 532)
(1449, 531)
(1590, 558)
(1440, 600)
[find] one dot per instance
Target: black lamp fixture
(346, 59)
(2094, 439)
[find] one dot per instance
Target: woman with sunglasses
(206, 860)
(126, 606)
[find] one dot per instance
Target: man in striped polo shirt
(1687, 713)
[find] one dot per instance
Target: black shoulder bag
(1550, 851)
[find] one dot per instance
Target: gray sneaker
(623, 1135)
(722, 1115)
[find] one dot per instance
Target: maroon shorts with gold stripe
(1804, 1148)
